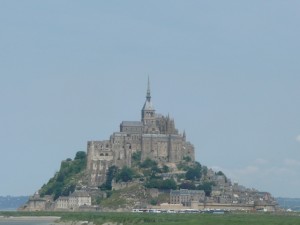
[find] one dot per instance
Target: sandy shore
(50, 219)
(80, 223)
(30, 218)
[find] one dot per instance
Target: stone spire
(148, 96)
(148, 112)
(148, 104)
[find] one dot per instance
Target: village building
(74, 201)
(186, 197)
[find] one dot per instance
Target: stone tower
(148, 114)
(155, 136)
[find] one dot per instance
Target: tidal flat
(169, 219)
(28, 220)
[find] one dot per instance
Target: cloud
(261, 161)
(237, 174)
(298, 138)
(291, 162)
(249, 170)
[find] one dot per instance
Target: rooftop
(132, 124)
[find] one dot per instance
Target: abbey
(154, 135)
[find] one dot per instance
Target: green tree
(204, 171)
(63, 182)
(80, 155)
(70, 188)
(165, 169)
(187, 185)
(125, 175)
(193, 174)
(111, 174)
(169, 184)
(155, 170)
(148, 163)
(136, 156)
(220, 173)
(161, 184)
(187, 158)
(207, 187)
(153, 201)
(197, 165)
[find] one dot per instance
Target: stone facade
(74, 201)
(37, 203)
(155, 136)
(186, 197)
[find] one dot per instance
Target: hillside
(70, 175)
(148, 184)
(142, 176)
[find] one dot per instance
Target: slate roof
(132, 124)
(148, 105)
(80, 194)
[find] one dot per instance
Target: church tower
(148, 113)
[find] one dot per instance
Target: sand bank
(30, 218)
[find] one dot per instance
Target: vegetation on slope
(188, 175)
(125, 197)
(65, 180)
(149, 174)
(193, 175)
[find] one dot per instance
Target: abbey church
(154, 135)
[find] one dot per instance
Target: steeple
(148, 113)
(148, 104)
(148, 96)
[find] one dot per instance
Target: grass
(170, 219)
(125, 197)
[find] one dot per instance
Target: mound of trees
(126, 174)
(64, 181)
(194, 172)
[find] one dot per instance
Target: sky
(228, 72)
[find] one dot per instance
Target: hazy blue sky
(228, 72)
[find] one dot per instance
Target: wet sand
(30, 218)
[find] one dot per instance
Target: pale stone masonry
(186, 197)
(74, 201)
(155, 136)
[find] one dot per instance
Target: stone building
(74, 201)
(35, 203)
(155, 136)
(186, 197)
